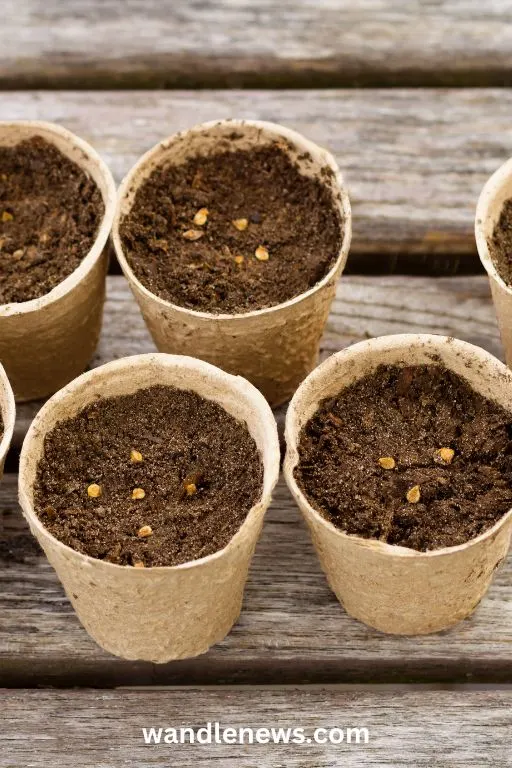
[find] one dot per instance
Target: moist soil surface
(286, 215)
(200, 472)
(407, 415)
(500, 245)
(50, 212)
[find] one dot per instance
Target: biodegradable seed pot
(247, 271)
(7, 417)
(131, 607)
(417, 585)
(53, 286)
(492, 205)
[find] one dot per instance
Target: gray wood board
(292, 629)
(434, 729)
(214, 43)
(414, 160)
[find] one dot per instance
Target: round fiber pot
(496, 191)
(46, 342)
(8, 413)
(274, 348)
(396, 589)
(162, 613)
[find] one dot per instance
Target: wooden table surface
(412, 99)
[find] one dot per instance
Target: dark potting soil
(50, 212)
(400, 418)
(500, 245)
(288, 234)
(172, 478)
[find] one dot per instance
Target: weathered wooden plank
(414, 160)
(292, 629)
(161, 43)
(104, 729)
(363, 307)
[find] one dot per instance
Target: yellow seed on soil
(444, 455)
(261, 253)
(201, 217)
(413, 495)
(139, 564)
(94, 490)
(135, 456)
(240, 224)
(387, 462)
(192, 234)
(138, 493)
(144, 532)
(44, 237)
(18, 254)
(6, 216)
(191, 488)
(239, 260)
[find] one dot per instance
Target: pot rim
(8, 412)
(290, 135)
(323, 371)
(246, 390)
(484, 205)
(39, 127)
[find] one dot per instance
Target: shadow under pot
(7, 417)
(399, 457)
(146, 482)
(233, 235)
(56, 213)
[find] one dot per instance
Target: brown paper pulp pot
(495, 192)
(8, 411)
(162, 613)
(396, 589)
(46, 342)
(274, 348)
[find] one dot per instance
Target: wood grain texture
(211, 43)
(414, 160)
(104, 729)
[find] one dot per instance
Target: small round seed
(138, 493)
(191, 488)
(444, 455)
(144, 532)
(201, 217)
(413, 495)
(193, 234)
(135, 456)
(94, 490)
(387, 462)
(240, 224)
(6, 216)
(261, 253)
(138, 564)
(18, 254)
(239, 260)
